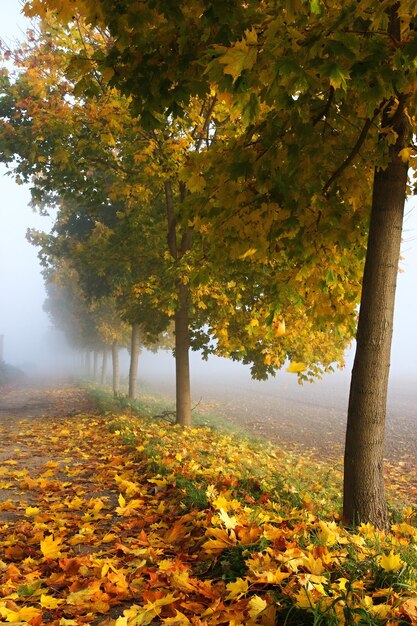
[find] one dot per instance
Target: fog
(33, 345)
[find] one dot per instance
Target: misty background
(32, 344)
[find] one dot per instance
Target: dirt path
(26, 402)
(25, 413)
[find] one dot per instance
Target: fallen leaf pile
(113, 519)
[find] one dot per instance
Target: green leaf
(242, 56)
(337, 75)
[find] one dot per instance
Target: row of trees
(215, 168)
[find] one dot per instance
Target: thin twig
(198, 403)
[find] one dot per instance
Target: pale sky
(22, 319)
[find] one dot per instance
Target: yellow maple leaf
(96, 504)
(405, 154)
(314, 566)
(75, 504)
(228, 521)
(222, 503)
(83, 596)
(279, 328)
(127, 487)
(31, 510)
(25, 614)
(390, 562)
(222, 540)
(330, 534)
(195, 182)
(257, 605)
(237, 589)
(304, 599)
(295, 367)
(380, 611)
(50, 547)
(142, 615)
(49, 602)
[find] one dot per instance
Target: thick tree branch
(359, 143)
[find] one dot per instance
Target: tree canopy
(270, 144)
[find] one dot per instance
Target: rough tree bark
(116, 367)
(134, 357)
(103, 377)
(364, 495)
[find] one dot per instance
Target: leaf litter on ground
(126, 520)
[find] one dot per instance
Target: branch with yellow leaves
(359, 143)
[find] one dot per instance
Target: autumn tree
(69, 311)
(117, 196)
(340, 86)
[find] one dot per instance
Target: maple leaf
(143, 615)
(195, 182)
(49, 602)
(31, 510)
(237, 589)
(390, 562)
(405, 154)
(229, 521)
(242, 55)
(222, 540)
(257, 605)
(128, 509)
(23, 615)
(305, 600)
(409, 608)
(313, 565)
(295, 367)
(50, 547)
(126, 486)
(330, 533)
(279, 328)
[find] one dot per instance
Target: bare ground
(20, 405)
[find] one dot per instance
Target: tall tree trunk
(116, 367)
(104, 365)
(134, 357)
(364, 497)
(95, 364)
(182, 330)
(182, 349)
